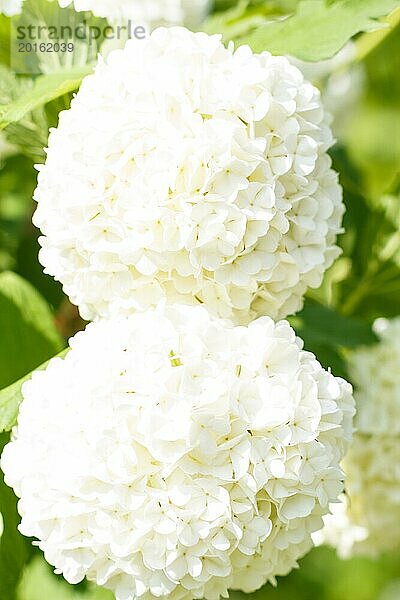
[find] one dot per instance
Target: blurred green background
(36, 318)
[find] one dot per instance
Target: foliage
(28, 336)
(327, 334)
(44, 89)
(318, 29)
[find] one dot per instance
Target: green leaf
(237, 21)
(28, 333)
(15, 205)
(318, 30)
(317, 324)
(371, 41)
(30, 134)
(45, 88)
(29, 105)
(11, 397)
(240, 18)
(330, 358)
(28, 337)
(327, 334)
(37, 16)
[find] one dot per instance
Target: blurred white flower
(149, 13)
(370, 520)
(10, 7)
(376, 373)
(187, 170)
(171, 454)
(1, 525)
(339, 529)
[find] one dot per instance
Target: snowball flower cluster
(370, 520)
(189, 171)
(173, 454)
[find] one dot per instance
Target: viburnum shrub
(189, 171)
(368, 522)
(186, 443)
(174, 454)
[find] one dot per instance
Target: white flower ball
(372, 465)
(149, 12)
(171, 454)
(189, 171)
